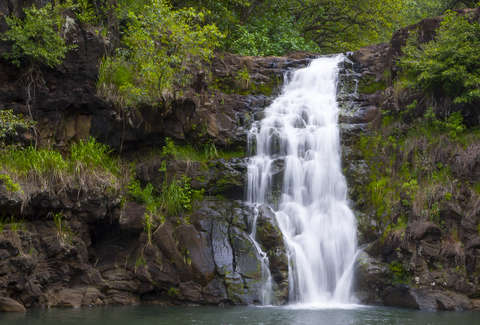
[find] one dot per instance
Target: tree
(448, 66)
(37, 37)
(159, 46)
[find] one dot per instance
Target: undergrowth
(415, 169)
(87, 164)
(174, 199)
(202, 153)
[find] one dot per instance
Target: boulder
(10, 305)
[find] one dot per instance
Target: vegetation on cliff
(449, 66)
(154, 45)
(421, 186)
(37, 38)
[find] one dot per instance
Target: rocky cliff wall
(414, 193)
(69, 245)
(101, 253)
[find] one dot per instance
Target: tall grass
(203, 153)
(91, 154)
(87, 164)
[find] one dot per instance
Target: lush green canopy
(154, 43)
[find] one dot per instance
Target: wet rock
(222, 250)
(400, 296)
(198, 251)
(270, 238)
(10, 305)
(425, 230)
(132, 217)
(215, 292)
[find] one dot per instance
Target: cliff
(414, 184)
(74, 241)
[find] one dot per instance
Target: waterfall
(299, 135)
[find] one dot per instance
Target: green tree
(160, 46)
(448, 66)
(37, 38)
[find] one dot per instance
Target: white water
(300, 131)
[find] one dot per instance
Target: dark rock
(270, 238)
(371, 277)
(400, 296)
(199, 252)
(132, 217)
(10, 305)
(425, 230)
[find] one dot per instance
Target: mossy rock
(234, 85)
(369, 85)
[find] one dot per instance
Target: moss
(173, 292)
(9, 184)
(405, 176)
(203, 153)
(476, 187)
(369, 85)
(240, 85)
(399, 274)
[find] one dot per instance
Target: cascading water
(299, 132)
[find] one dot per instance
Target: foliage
(10, 123)
(276, 27)
(270, 34)
(203, 153)
(88, 163)
(64, 233)
(453, 125)
(152, 203)
(24, 161)
(450, 64)
(85, 12)
(176, 196)
(9, 184)
(90, 154)
(400, 275)
(37, 38)
(173, 292)
(410, 167)
(12, 223)
(161, 44)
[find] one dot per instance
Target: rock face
(216, 107)
(105, 257)
(424, 265)
(100, 253)
(10, 305)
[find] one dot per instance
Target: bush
(10, 123)
(89, 164)
(25, 161)
(160, 46)
(450, 64)
(37, 37)
(90, 154)
(271, 34)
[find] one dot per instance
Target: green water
(145, 315)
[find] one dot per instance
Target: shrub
(176, 196)
(160, 45)
(88, 164)
(25, 161)
(9, 184)
(10, 123)
(450, 64)
(152, 203)
(91, 154)
(37, 37)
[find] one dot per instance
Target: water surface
(146, 315)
